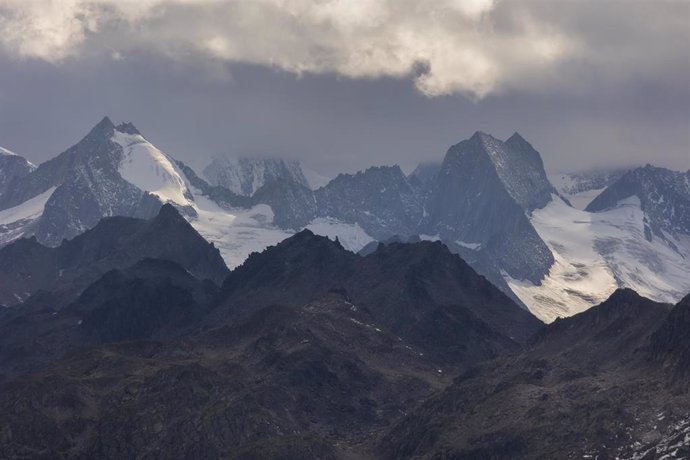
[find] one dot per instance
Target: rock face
(379, 199)
(522, 170)
(26, 266)
(13, 168)
(424, 177)
(218, 194)
(664, 196)
(244, 176)
(485, 190)
(671, 342)
(293, 204)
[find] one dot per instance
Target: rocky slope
(311, 382)
(586, 387)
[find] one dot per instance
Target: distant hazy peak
(245, 175)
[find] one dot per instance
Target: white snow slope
(17, 221)
(581, 188)
(598, 252)
(146, 167)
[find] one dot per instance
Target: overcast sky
(342, 85)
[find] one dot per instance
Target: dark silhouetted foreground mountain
(307, 351)
(420, 291)
(152, 299)
(26, 266)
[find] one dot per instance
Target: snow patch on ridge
(595, 253)
(472, 246)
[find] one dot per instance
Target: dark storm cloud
(588, 84)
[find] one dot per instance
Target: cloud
(469, 47)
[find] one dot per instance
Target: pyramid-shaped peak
(105, 121)
(103, 129)
(624, 295)
(168, 213)
(516, 140)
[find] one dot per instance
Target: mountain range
(489, 201)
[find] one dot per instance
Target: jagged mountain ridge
(406, 287)
(490, 201)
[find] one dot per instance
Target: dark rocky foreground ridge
(590, 386)
(310, 351)
(26, 266)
